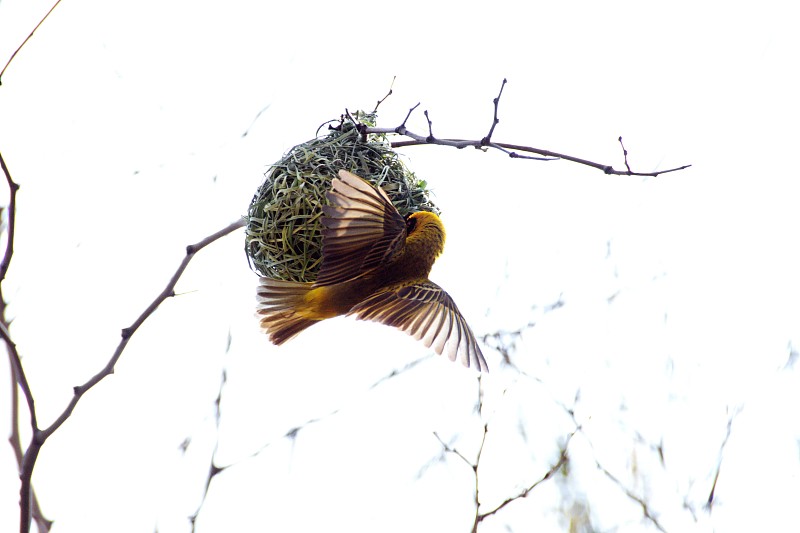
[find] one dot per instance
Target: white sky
(123, 124)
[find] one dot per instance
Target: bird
(375, 266)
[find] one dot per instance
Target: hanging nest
(283, 238)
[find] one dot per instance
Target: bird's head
(426, 229)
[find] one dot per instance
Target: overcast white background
(124, 123)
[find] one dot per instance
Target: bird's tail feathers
(279, 308)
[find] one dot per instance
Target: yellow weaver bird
(375, 265)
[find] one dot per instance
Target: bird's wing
(362, 230)
(426, 312)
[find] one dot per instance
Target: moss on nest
(283, 237)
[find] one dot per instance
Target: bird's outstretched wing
(427, 313)
(362, 230)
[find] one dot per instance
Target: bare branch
(792, 358)
(39, 436)
(710, 502)
(515, 155)
(486, 141)
(630, 494)
(477, 519)
(624, 154)
(646, 511)
(512, 150)
(13, 187)
(450, 449)
(10, 59)
(16, 364)
(14, 439)
(401, 128)
(29, 504)
(391, 85)
(504, 341)
(255, 119)
(29, 457)
(291, 433)
(563, 459)
(213, 469)
(430, 138)
(128, 332)
(396, 372)
(475, 465)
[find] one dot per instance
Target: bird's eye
(411, 223)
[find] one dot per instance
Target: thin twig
(43, 523)
(401, 128)
(477, 518)
(562, 460)
(505, 341)
(168, 291)
(39, 437)
(624, 154)
(792, 358)
(646, 511)
(397, 371)
(512, 150)
(26, 40)
(18, 378)
(630, 494)
(391, 86)
(486, 141)
(430, 138)
(16, 365)
(475, 465)
(450, 449)
(712, 492)
(255, 119)
(213, 469)
(548, 155)
(19, 373)
(13, 187)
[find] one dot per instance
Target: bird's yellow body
(375, 264)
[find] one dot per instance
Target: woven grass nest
(283, 238)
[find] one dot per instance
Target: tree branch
(646, 510)
(213, 469)
(488, 139)
(128, 332)
(16, 365)
(18, 378)
(10, 59)
(475, 465)
(388, 94)
(512, 150)
(13, 187)
(39, 436)
(729, 429)
(563, 459)
(624, 154)
(630, 494)
(291, 434)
